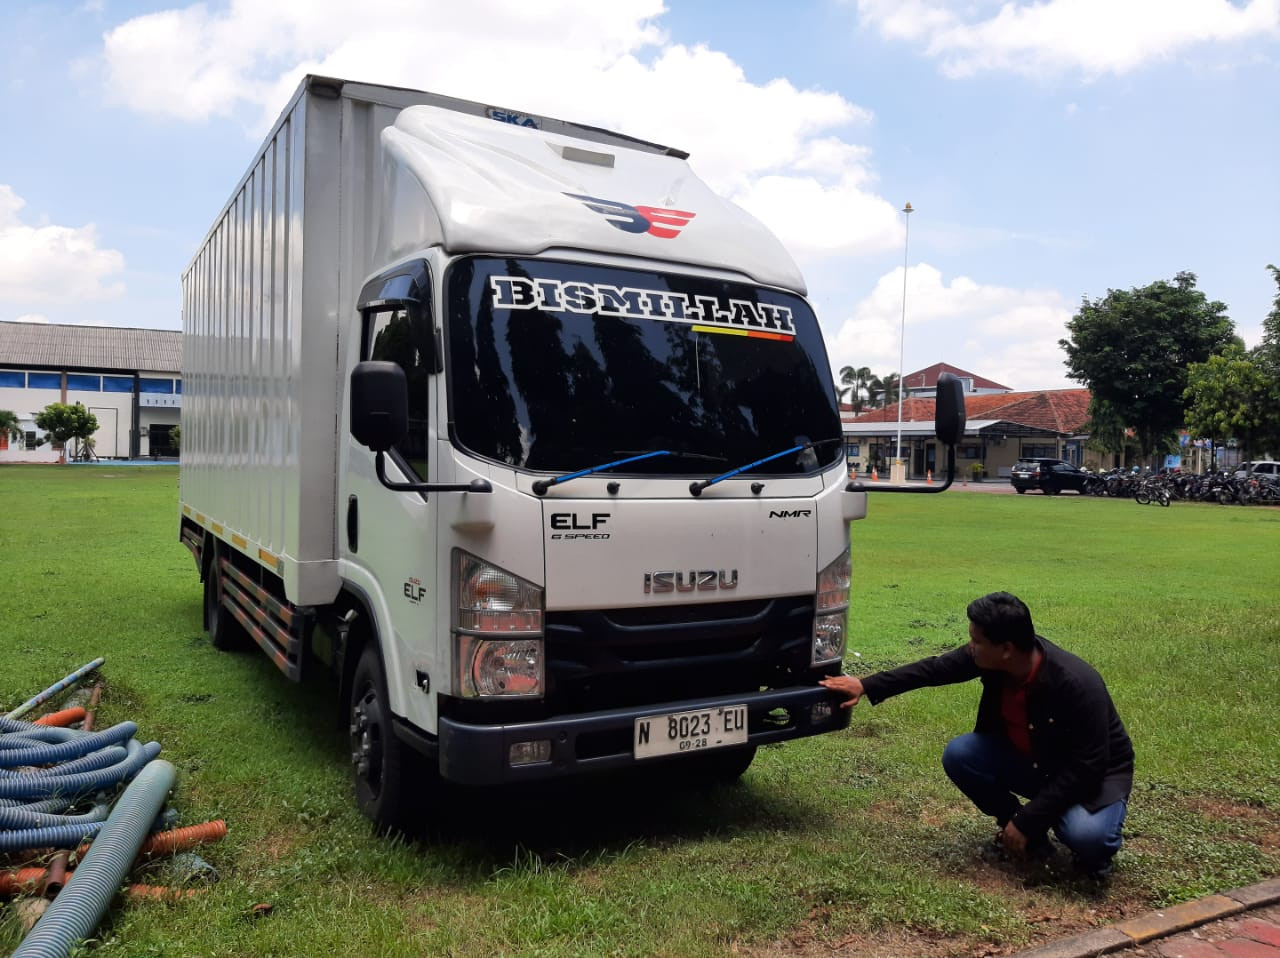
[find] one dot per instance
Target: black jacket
(1078, 744)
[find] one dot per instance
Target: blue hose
(20, 749)
(41, 785)
(43, 805)
(80, 905)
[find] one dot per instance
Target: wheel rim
(366, 740)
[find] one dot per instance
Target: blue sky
(1051, 150)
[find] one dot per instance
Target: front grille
(623, 657)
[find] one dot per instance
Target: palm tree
(9, 425)
(855, 383)
(882, 392)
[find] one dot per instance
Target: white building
(130, 379)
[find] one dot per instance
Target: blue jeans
(992, 773)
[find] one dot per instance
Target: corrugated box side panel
(259, 352)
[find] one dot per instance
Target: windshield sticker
(706, 314)
(654, 220)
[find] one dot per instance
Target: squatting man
(1046, 730)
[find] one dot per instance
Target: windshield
(560, 366)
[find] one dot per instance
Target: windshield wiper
(542, 485)
(695, 488)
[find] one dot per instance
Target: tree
(1132, 348)
(1267, 353)
(1266, 357)
(1107, 431)
(1227, 398)
(65, 423)
(9, 424)
(882, 392)
(854, 383)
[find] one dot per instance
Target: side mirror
(379, 405)
(948, 416)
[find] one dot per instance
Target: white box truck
(523, 432)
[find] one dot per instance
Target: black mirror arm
(951, 477)
(475, 485)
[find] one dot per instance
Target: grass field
(853, 840)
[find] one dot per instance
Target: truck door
(390, 536)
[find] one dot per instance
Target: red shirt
(1013, 709)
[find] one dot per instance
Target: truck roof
(488, 179)
(520, 189)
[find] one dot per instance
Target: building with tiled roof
(1000, 429)
(130, 379)
(924, 382)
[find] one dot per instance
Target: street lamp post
(902, 338)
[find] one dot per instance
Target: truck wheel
(1020, 490)
(225, 633)
(386, 770)
(721, 767)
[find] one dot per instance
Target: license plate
(681, 732)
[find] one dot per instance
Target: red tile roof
(1052, 410)
(929, 377)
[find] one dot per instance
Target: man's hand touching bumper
(845, 685)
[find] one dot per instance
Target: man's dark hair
(1004, 618)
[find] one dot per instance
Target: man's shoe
(1098, 872)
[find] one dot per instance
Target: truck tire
(386, 771)
(225, 633)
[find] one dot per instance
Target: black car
(1050, 476)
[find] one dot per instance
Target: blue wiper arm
(696, 487)
(542, 485)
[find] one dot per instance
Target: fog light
(529, 753)
(819, 712)
(828, 638)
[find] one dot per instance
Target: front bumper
(600, 741)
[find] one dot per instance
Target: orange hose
(175, 840)
(62, 719)
(21, 881)
(160, 892)
(180, 839)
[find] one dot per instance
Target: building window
(14, 380)
(1040, 452)
(155, 386)
(31, 440)
(88, 384)
(117, 384)
(851, 450)
(44, 380)
(968, 452)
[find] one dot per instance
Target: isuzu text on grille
(704, 580)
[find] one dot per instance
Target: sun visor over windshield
(489, 186)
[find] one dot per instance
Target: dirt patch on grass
(1257, 824)
(1050, 899)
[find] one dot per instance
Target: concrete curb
(1159, 924)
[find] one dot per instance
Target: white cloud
(30, 318)
(52, 264)
(193, 63)
(770, 147)
(1009, 335)
(1094, 37)
(786, 154)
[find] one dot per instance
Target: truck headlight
(497, 631)
(831, 610)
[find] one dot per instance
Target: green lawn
(848, 838)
